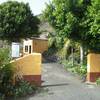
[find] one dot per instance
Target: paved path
(61, 85)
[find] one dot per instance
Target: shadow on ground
(53, 85)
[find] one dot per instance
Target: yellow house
(36, 45)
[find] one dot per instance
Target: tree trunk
(81, 54)
(72, 50)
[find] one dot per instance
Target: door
(30, 49)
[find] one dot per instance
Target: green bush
(98, 81)
(5, 57)
(66, 63)
(1, 96)
(23, 88)
(6, 73)
(81, 70)
(7, 87)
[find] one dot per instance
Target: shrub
(23, 88)
(7, 86)
(1, 96)
(4, 57)
(81, 70)
(6, 73)
(98, 81)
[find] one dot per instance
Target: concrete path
(61, 85)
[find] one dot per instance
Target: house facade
(35, 45)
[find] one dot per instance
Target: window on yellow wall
(26, 48)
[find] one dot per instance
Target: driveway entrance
(61, 85)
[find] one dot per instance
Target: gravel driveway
(61, 85)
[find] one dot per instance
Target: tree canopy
(78, 20)
(17, 21)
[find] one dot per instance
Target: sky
(36, 6)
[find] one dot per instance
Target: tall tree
(78, 20)
(17, 21)
(91, 26)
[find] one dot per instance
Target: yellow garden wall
(30, 67)
(93, 67)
